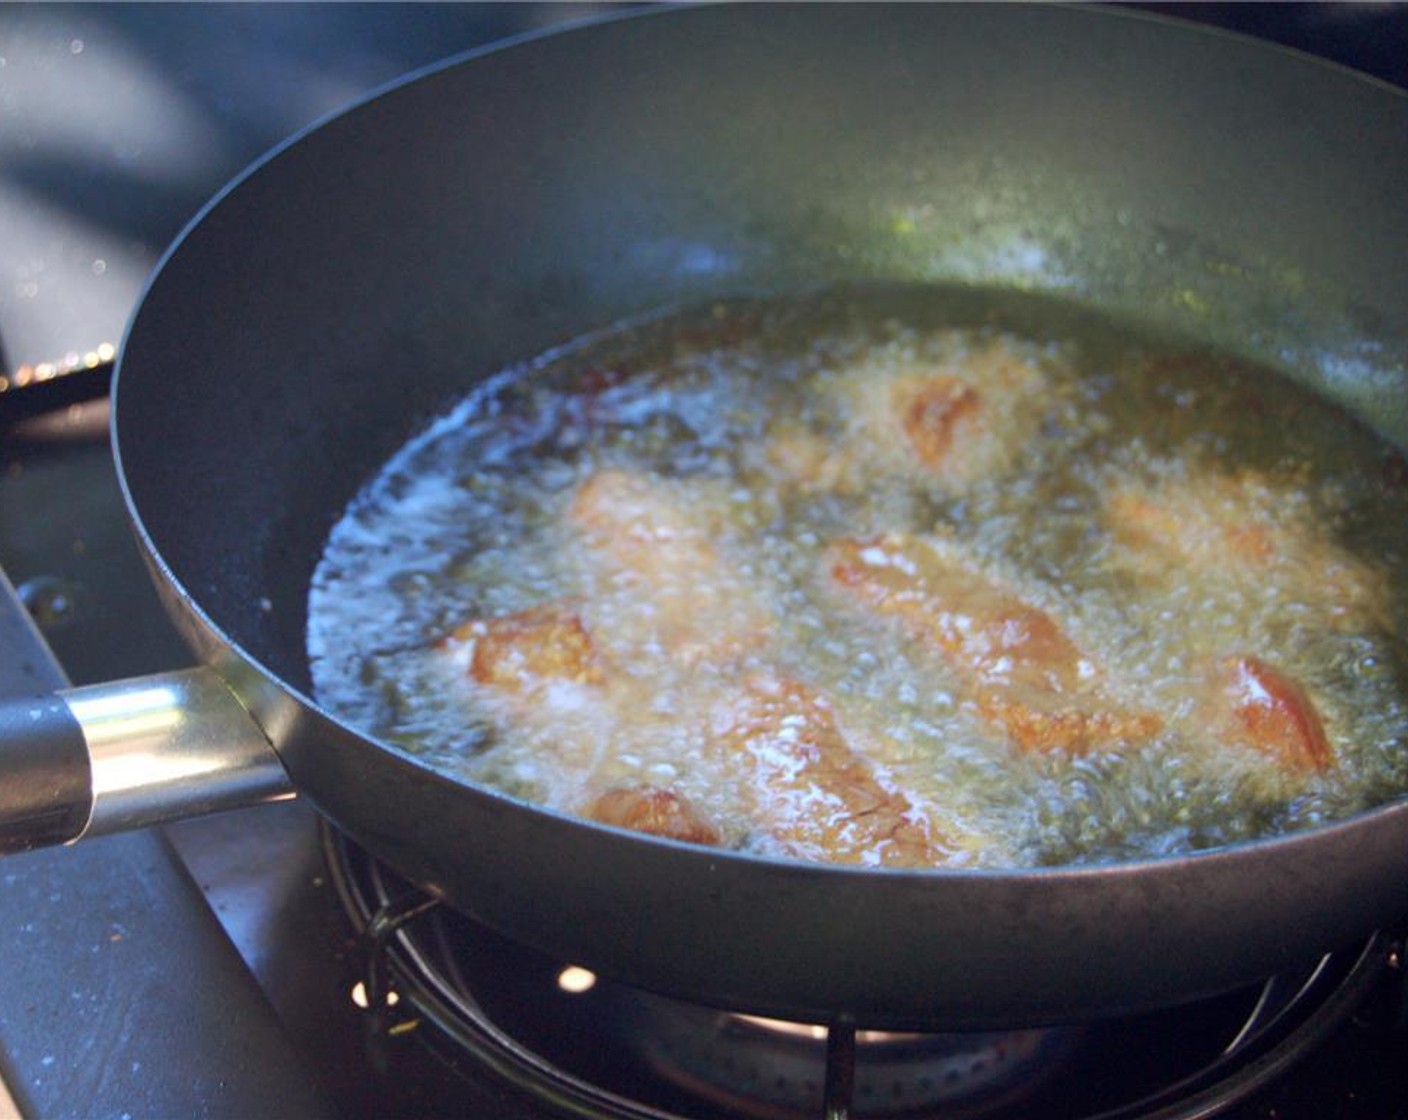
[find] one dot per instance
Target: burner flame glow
(359, 996)
(817, 1031)
(576, 980)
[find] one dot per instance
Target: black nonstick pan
(364, 276)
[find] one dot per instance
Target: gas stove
(256, 963)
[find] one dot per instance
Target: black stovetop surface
(204, 969)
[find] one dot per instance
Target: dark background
(119, 121)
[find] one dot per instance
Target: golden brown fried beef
(544, 667)
(814, 794)
(1256, 705)
(656, 556)
(522, 651)
(654, 810)
(1245, 531)
(949, 415)
(936, 413)
(1024, 671)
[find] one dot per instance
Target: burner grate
(584, 1046)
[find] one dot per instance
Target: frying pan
(364, 276)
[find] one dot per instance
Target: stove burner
(751, 1066)
(585, 1046)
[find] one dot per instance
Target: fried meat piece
(955, 415)
(523, 651)
(654, 810)
(818, 798)
(935, 413)
(1259, 706)
(1024, 671)
(950, 410)
(1242, 528)
(542, 665)
(806, 460)
(540, 673)
(657, 559)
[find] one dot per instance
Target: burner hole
(576, 980)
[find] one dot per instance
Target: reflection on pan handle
(130, 754)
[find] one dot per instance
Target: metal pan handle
(130, 754)
(45, 778)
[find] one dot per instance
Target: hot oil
(758, 420)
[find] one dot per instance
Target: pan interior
(1174, 509)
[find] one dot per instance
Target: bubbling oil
(740, 409)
